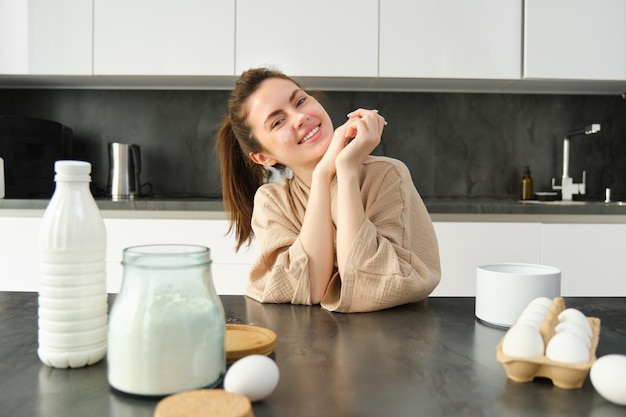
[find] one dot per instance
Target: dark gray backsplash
(456, 145)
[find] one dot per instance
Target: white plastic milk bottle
(72, 312)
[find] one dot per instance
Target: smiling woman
(291, 126)
(349, 231)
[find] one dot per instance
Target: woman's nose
(300, 119)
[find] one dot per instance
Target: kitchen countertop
(139, 204)
(431, 358)
(438, 207)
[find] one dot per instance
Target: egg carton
(562, 375)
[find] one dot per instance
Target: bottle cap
(72, 171)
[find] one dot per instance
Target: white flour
(165, 344)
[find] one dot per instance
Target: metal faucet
(568, 187)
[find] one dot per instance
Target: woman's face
(292, 127)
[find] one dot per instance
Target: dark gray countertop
(511, 206)
(435, 206)
(427, 359)
(140, 204)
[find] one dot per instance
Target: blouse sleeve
(395, 257)
(280, 273)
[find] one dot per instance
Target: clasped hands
(353, 141)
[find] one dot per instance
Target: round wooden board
(243, 340)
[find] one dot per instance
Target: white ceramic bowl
(504, 290)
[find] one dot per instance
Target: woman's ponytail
(240, 179)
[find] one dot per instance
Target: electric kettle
(124, 171)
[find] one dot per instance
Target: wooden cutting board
(243, 340)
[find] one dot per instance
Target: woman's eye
(300, 101)
(277, 123)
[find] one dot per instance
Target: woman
(348, 231)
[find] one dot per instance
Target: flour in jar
(168, 343)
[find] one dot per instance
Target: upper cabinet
(506, 46)
(575, 39)
(164, 37)
(325, 38)
(45, 37)
(470, 39)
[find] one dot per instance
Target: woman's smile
(310, 135)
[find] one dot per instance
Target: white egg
(531, 317)
(607, 377)
(538, 308)
(542, 301)
(576, 316)
(523, 341)
(568, 348)
(571, 327)
(255, 376)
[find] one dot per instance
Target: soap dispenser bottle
(526, 185)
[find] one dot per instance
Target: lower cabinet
(229, 268)
(18, 253)
(590, 256)
(465, 245)
(19, 256)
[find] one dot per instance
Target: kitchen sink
(573, 203)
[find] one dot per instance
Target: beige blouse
(394, 260)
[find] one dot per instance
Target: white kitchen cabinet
(45, 37)
(19, 256)
(229, 268)
(162, 37)
(590, 256)
(575, 39)
(18, 253)
(463, 246)
(467, 39)
(325, 38)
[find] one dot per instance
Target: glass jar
(167, 324)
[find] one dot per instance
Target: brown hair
(241, 177)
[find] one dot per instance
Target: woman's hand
(326, 166)
(352, 142)
(364, 131)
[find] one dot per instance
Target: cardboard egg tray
(563, 375)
